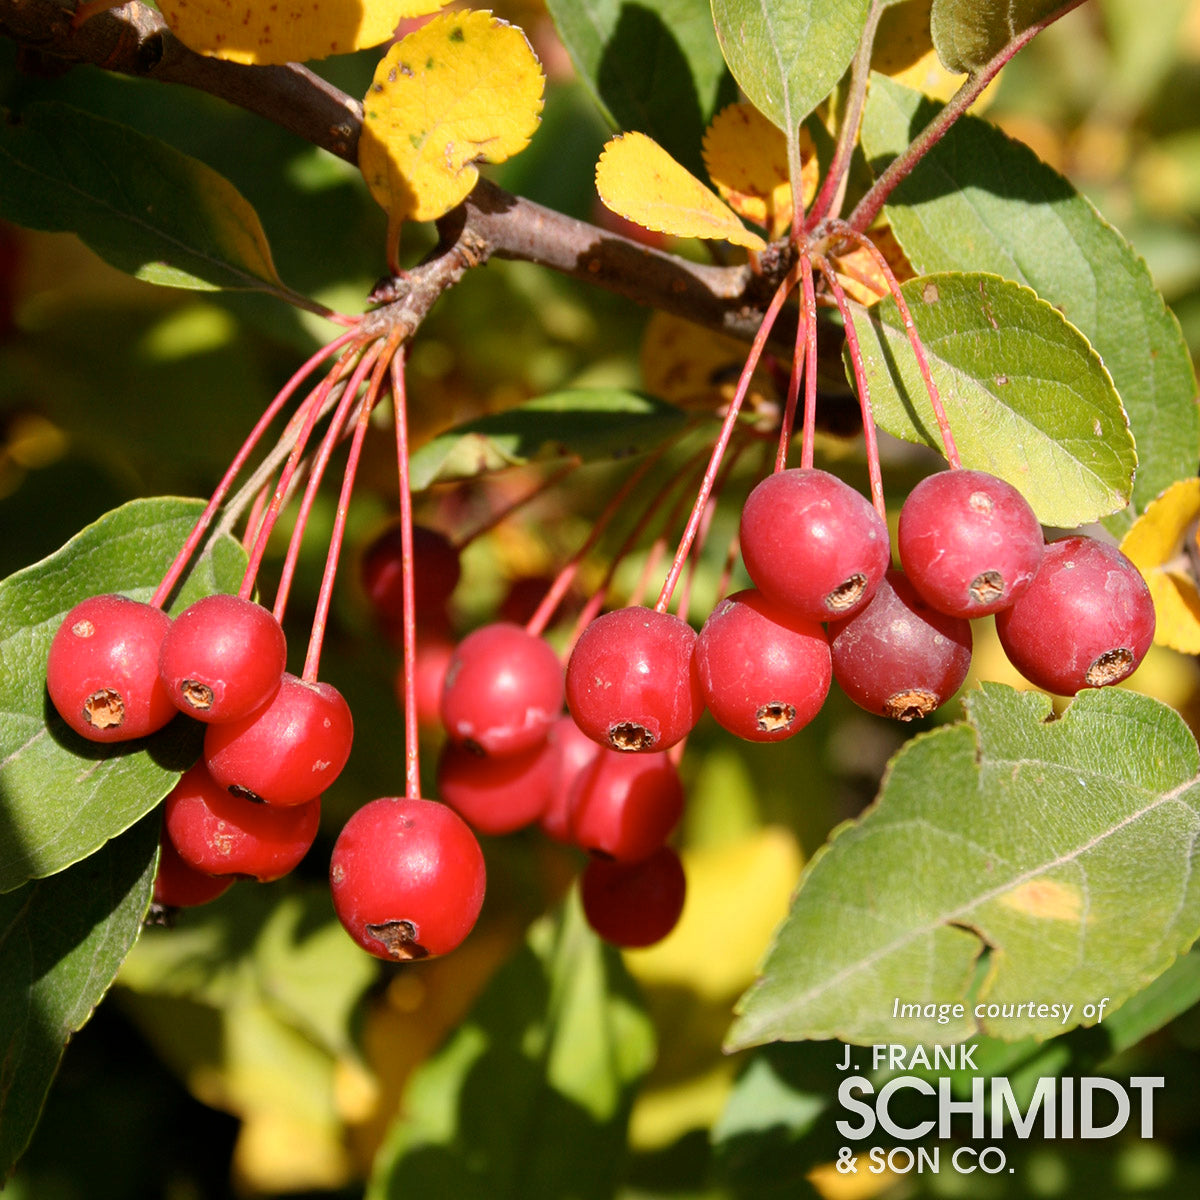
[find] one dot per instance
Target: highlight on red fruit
(287, 752)
(102, 669)
(634, 904)
(968, 542)
(900, 657)
(631, 683)
(813, 544)
(765, 671)
(222, 834)
(407, 877)
(624, 806)
(1087, 619)
(503, 690)
(222, 658)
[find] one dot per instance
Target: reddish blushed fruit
(813, 544)
(430, 666)
(631, 684)
(969, 542)
(900, 657)
(222, 658)
(222, 834)
(624, 806)
(503, 690)
(287, 752)
(407, 878)
(179, 885)
(1087, 619)
(765, 671)
(102, 669)
(573, 752)
(496, 795)
(634, 904)
(436, 572)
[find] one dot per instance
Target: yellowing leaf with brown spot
(266, 32)
(1163, 545)
(639, 180)
(463, 89)
(1045, 899)
(746, 158)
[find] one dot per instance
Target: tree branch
(134, 40)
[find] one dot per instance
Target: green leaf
(654, 69)
(1010, 836)
(61, 943)
(538, 1081)
(589, 423)
(982, 201)
(61, 796)
(968, 34)
(138, 203)
(788, 55)
(1026, 396)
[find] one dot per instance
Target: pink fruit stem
(176, 569)
(254, 517)
(914, 338)
(412, 757)
(333, 435)
(503, 513)
(861, 385)
(808, 439)
(382, 356)
(685, 593)
(536, 625)
(718, 451)
(283, 487)
(804, 326)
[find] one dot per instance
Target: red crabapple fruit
(503, 690)
(624, 806)
(287, 752)
(631, 684)
(813, 544)
(496, 795)
(634, 904)
(765, 671)
(1087, 619)
(900, 657)
(436, 572)
(178, 884)
(573, 751)
(222, 658)
(968, 542)
(102, 670)
(228, 835)
(407, 878)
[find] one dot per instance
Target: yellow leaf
(465, 88)
(746, 158)
(861, 275)
(639, 180)
(268, 32)
(1163, 545)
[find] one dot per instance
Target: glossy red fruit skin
(624, 806)
(1087, 619)
(765, 671)
(634, 904)
(222, 658)
(407, 878)
(287, 752)
(222, 834)
(496, 796)
(813, 544)
(968, 542)
(631, 684)
(899, 657)
(430, 666)
(573, 753)
(436, 572)
(179, 885)
(503, 690)
(102, 669)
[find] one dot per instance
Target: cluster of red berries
(120, 669)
